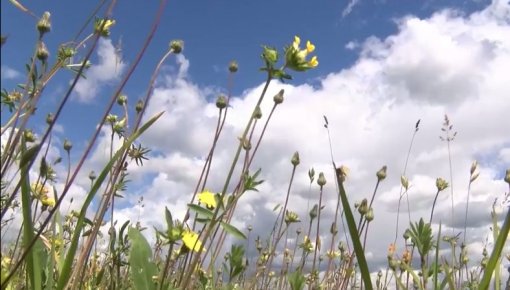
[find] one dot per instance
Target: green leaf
(353, 231)
(142, 269)
(297, 281)
(200, 210)
(233, 230)
(28, 155)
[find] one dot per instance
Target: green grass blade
(496, 253)
(68, 263)
(436, 266)
(33, 268)
(142, 268)
(353, 231)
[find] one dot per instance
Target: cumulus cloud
(448, 63)
(9, 73)
(108, 68)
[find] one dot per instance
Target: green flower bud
(314, 211)
(92, 175)
(176, 46)
(381, 174)
(311, 174)
(44, 24)
(111, 118)
(298, 231)
(103, 26)
(342, 172)
(50, 119)
(441, 184)
(3, 39)
(405, 182)
(321, 181)
(29, 136)
(295, 159)
(42, 52)
(278, 98)
(221, 102)
(363, 207)
(250, 228)
(245, 143)
(333, 229)
(139, 106)
(257, 114)
(370, 215)
(68, 145)
(233, 66)
(122, 100)
(270, 55)
(407, 234)
(507, 176)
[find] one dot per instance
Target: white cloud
(446, 64)
(347, 10)
(108, 68)
(9, 73)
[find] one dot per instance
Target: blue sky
(382, 66)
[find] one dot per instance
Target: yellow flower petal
(206, 197)
(191, 241)
(313, 62)
(310, 47)
(48, 202)
(296, 42)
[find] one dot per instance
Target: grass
(58, 248)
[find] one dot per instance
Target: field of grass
(55, 248)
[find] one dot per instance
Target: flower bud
(474, 166)
(278, 98)
(334, 229)
(295, 159)
(321, 181)
(250, 228)
(44, 24)
(298, 231)
(42, 52)
(313, 211)
(370, 215)
(257, 114)
(270, 55)
(176, 46)
(111, 118)
(233, 66)
(221, 102)
(139, 106)
(407, 234)
(29, 135)
(363, 207)
(50, 119)
(507, 176)
(68, 145)
(92, 175)
(405, 182)
(291, 217)
(122, 100)
(245, 143)
(102, 26)
(441, 184)
(381, 174)
(342, 172)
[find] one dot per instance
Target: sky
(383, 65)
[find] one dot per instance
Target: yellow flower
(105, 31)
(296, 42)
(309, 46)
(39, 190)
(47, 201)
(191, 241)
(313, 62)
(207, 198)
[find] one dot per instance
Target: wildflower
(332, 254)
(191, 241)
(321, 181)
(391, 250)
(233, 66)
(105, 24)
(48, 201)
(342, 172)
(291, 217)
(381, 174)
(295, 159)
(296, 58)
(44, 24)
(42, 52)
(507, 176)
(404, 181)
(206, 197)
(441, 184)
(39, 190)
(307, 245)
(406, 256)
(221, 102)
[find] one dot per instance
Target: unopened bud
(370, 215)
(474, 166)
(42, 52)
(50, 119)
(44, 24)
(278, 98)
(221, 102)
(67, 145)
(321, 181)
(122, 100)
(139, 106)
(405, 182)
(29, 135)
(507, 176)
(295, 159)
(333, 230)
(381, 174)
(363, 207)
(313, 211)
(233, 66)
(111, 118)
(176, 46)
(92, 176)
(257, 114)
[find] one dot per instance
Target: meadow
(56, 248)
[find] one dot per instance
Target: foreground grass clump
(57, 248)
